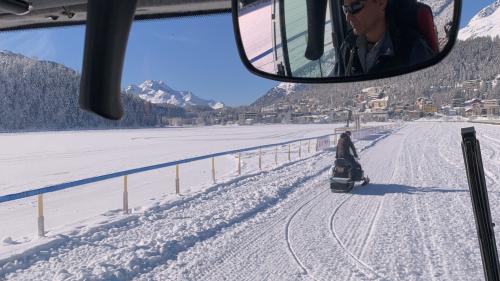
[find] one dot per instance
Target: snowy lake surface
(413, 221)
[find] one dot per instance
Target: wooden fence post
(177, 182)
(289, 152)
(300, 149)
(125, 194)
(276, 155)
(213, 169)
(260, 158)
(239, 164)
(41, 223)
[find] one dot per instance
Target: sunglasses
(354, 7)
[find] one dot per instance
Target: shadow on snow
(383, 189)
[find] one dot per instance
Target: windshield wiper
(480, 203)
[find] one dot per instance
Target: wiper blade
(480, 203)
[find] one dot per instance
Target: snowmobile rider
(346, 150)
(376, 43)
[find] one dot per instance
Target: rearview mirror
(343, 40)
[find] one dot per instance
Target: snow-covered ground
(413, 222)
(34, 160)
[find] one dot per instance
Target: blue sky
(197, 54)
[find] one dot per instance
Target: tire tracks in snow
(287, 236)
(372, 272)
(339, 241)
(166, 249)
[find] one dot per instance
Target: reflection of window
(294, 26)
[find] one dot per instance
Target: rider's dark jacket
(395, 50)
(343, 146)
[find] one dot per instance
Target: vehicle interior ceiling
(48, 13)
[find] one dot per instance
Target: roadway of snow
(413, 222)
(35, 160)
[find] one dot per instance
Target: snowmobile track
(337, 238)
(287, 237)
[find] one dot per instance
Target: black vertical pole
(480, 203)
(284, 39)
(106, 35)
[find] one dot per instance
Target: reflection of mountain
(485, 23)
(159, 93)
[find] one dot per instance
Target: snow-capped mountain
(483, 24)
(278, 92)
(159, 92)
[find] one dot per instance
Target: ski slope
(413, 222)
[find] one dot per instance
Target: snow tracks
(413, 222)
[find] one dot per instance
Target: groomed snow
(35, 160)
(413, 222)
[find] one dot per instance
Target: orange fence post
(125, 194)
(276, 155)
(300, 149)
(239, 164)
(213, 169)
(41, 224)
(177, 182)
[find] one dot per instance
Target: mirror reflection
(338, 38)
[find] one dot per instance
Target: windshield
(216, 174)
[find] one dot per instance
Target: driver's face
(362, 21)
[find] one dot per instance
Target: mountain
(483, 24)
(158, 92)
(43, 95)
(278, 93)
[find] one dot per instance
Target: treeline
(41, 95)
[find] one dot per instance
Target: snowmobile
(343, 176)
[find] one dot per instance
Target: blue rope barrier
(57, 187)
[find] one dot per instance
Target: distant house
(470, 112)
(429, 108)
(268, 109)
(379, 104)
(458, 102)
(460, 111)
(471, 85)
(380, 116)
(248, 118)
(373, 93)
(492, 107)
(421, 101)
(473, 102)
